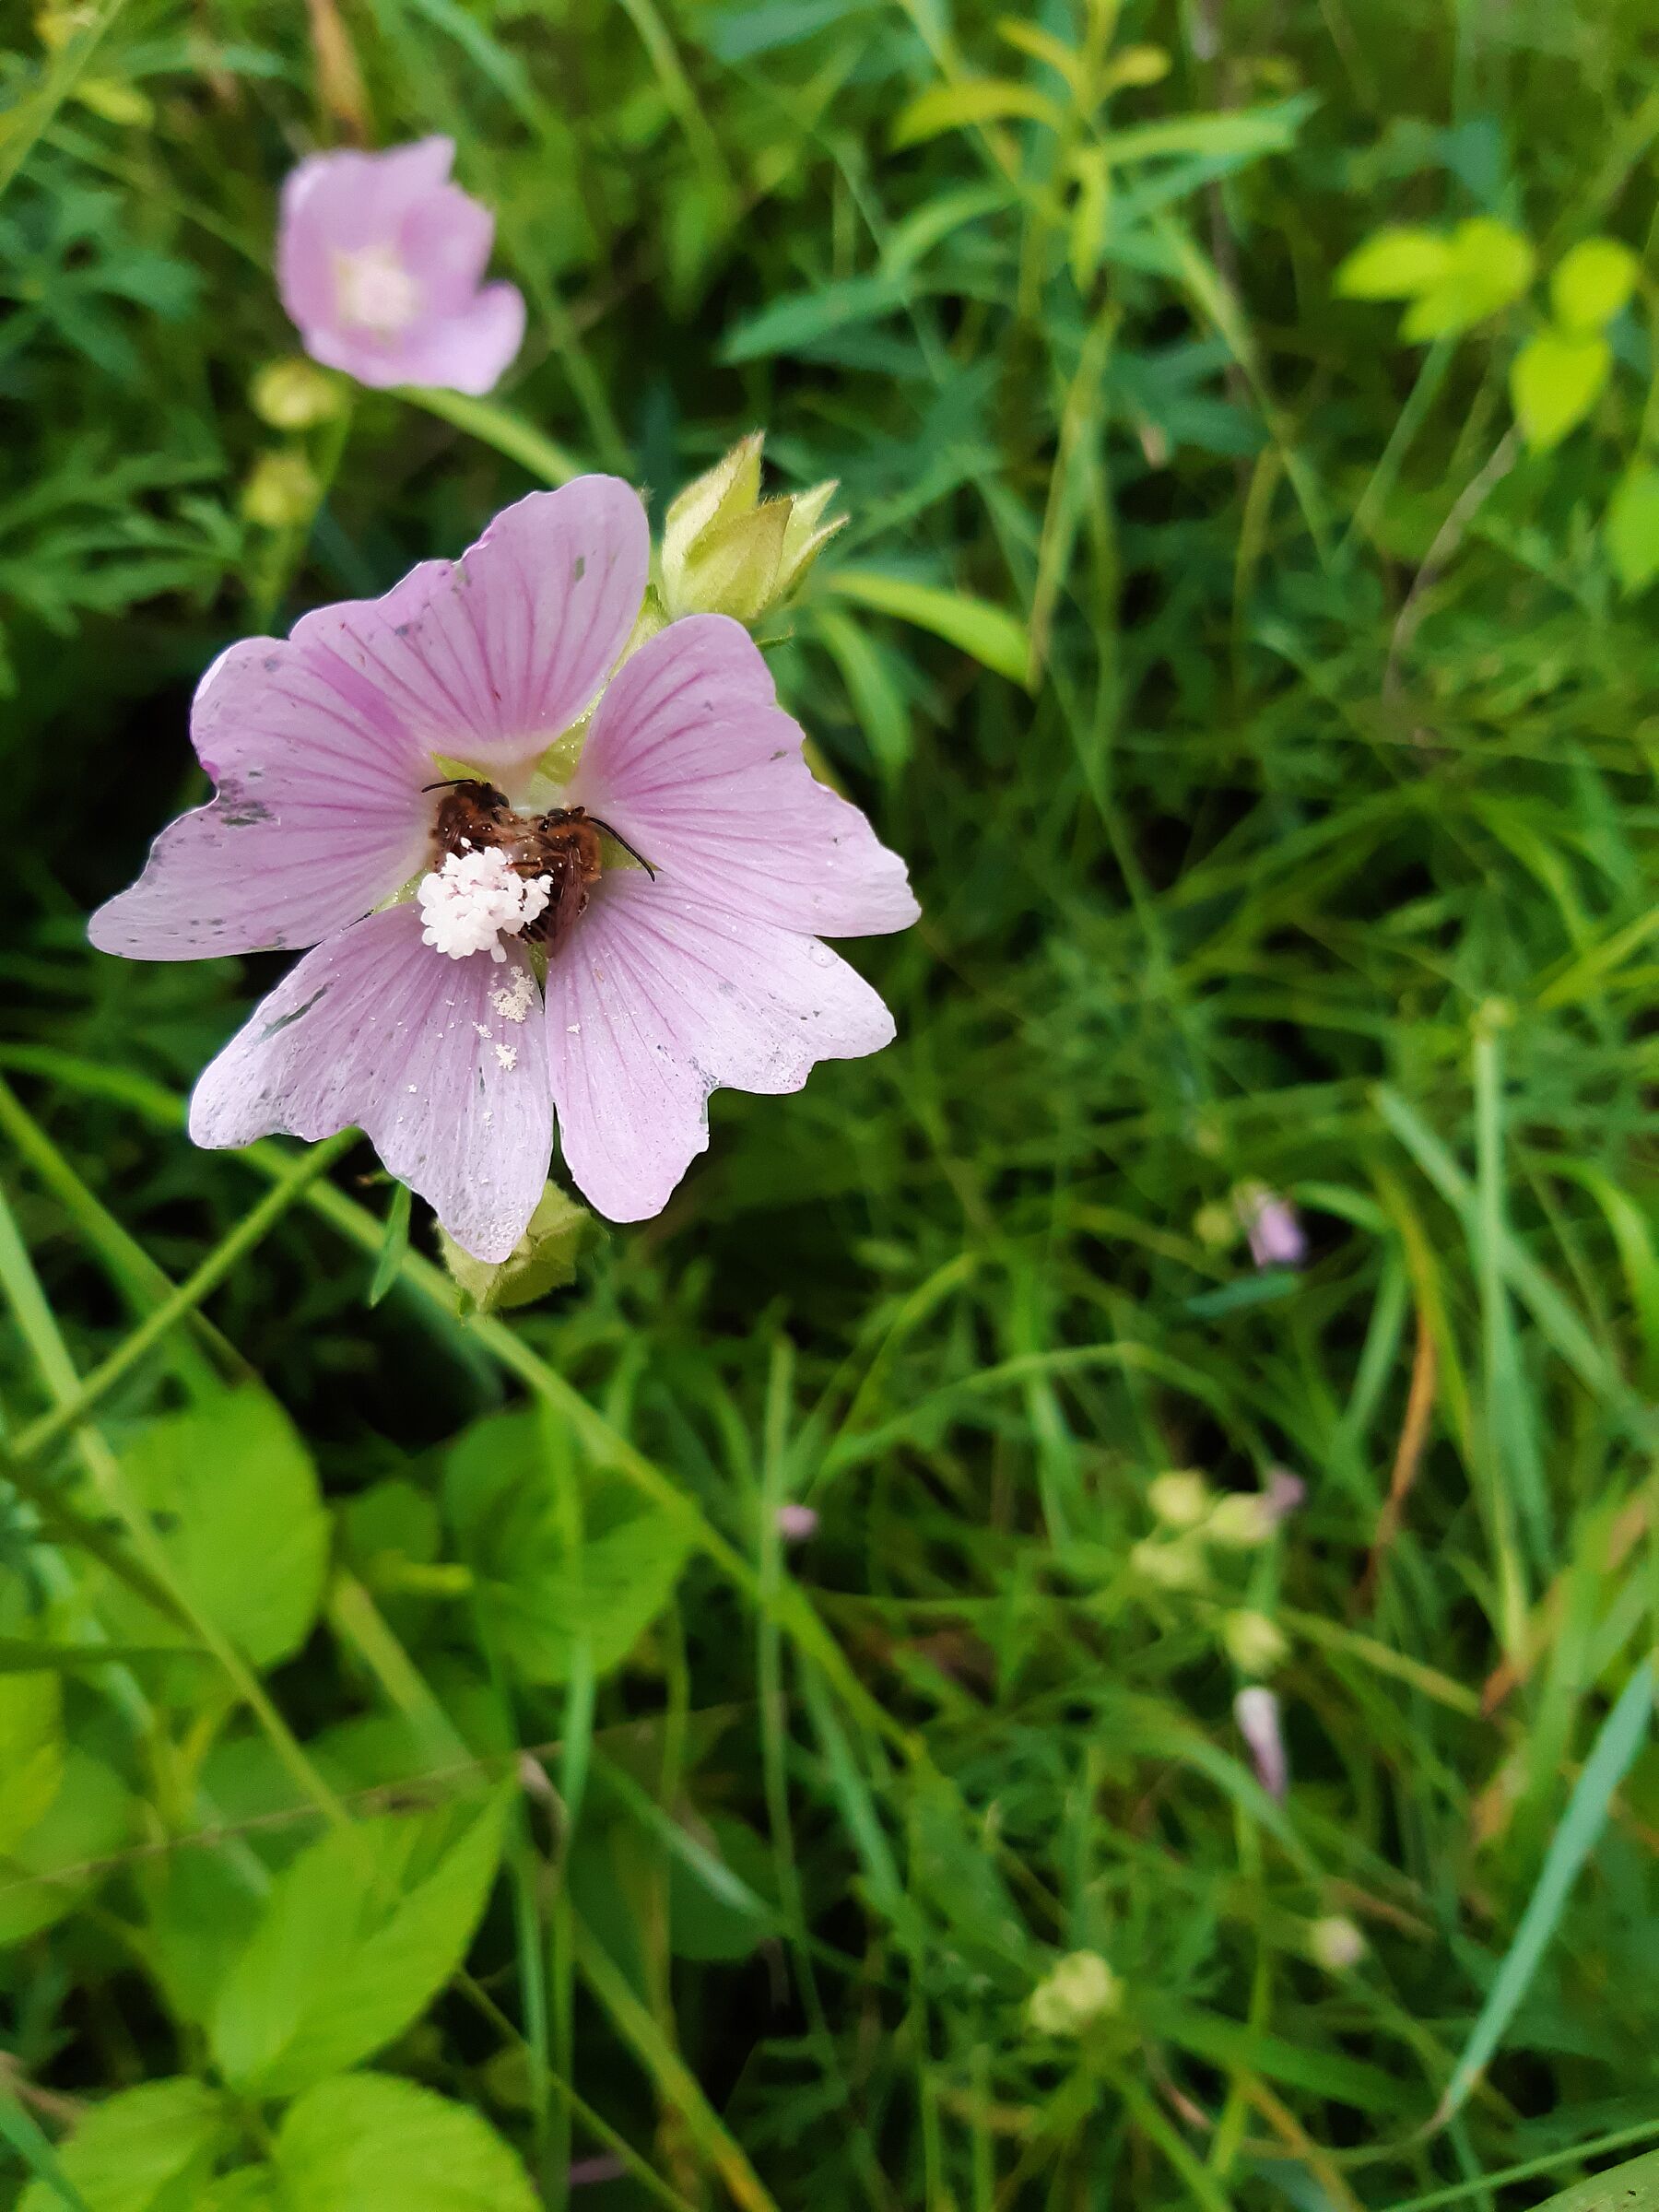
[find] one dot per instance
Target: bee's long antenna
(625, 845)
(446, 784)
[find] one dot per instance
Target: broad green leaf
(1395, 263)
(356, 1937)
(141, 2150)
(542, 1594)
(1554, 382)
(250, 2189)
(1632, 2187)
(996, 638)
(371, 2143)
(31, 1752)
(242, 1523)
(1490, 265)
(1592, 283)
(1632, 529)
(975, 100)
(48, 1871)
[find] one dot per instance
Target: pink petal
(693, 762)
(662, 996)
(470, 351)
(340, 203)
(319, 815)
(499, 651)
(447, 237)
(376, 1029)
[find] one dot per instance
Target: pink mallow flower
(536, 966)
(379, 261)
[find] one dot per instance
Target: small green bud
(1178, 1566)
(543, 1259)
(727, 551)
(295, 394)
(1256, 1644)
(1074, 1994)
(282, 491)
(1180, 1497)
(1216, 1227)
(1241, 1521)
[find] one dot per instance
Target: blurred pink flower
(795, 1523)
(425, 1021)
(1257, 1712)
(379, 262)
(1270, 1224)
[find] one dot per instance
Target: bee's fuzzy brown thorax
(561, 844)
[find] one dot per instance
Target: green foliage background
(422, 1771)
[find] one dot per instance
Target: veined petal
(319, 815)
(508, 645)
(692, 759)
(440, 1062)
(663, 995)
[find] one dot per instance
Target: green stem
(300, 1172)
(493, 426)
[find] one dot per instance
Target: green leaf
(996, 638)
(1632, 529)
(1234, 135)
(30, 2142)
(1488, 266)
(244, 1523)
(1620, 1738)
(357, 1935)
(143, 2149)
(876, 699)
(58, 1862)
(1554, 382)
(374, 2143)
(1395, 263)
(545, 1593)
(397, 1243)
(1592, 284)
(801, 318)
(978, 99)
(31, 1752)
(1632, 2187)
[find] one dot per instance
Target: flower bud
(281, 493)
(1241, 1521)
(544, 1258)
(295, 394)
(1180, 1497)
(1256, 1644)
(794, 1522)
(727, 551)
(1335, 1943)
(1171, 1566)
(1074, 1994)
(1257, 1712)
(1270, 1224)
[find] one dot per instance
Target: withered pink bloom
(1257, 1712)
(795, 1523)
(537, 965)
(379, 262)
(1271, 1228)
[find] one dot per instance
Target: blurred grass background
(381, 1687)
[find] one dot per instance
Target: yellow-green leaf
(978, 100)
(1632, 529)
(1491, 265)
(1396, 264)
(1592, 284)
(1555, 383)
(996, 638)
